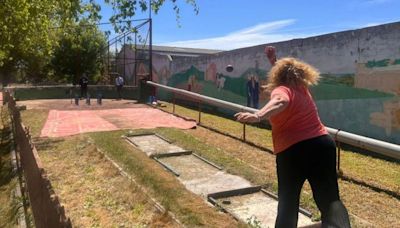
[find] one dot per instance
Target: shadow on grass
(46, 143)
(6, 170)
(370, 186)
(367, 153)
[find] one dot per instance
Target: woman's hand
(270, 51)
(247, 117)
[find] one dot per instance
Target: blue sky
(231, 24)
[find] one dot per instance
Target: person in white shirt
(119, 83)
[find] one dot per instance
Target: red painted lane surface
(70, 122)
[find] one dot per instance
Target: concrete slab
(201, 177)
(154, 145)
(255, 207)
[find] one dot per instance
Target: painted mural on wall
(359, 91)
(342, 103)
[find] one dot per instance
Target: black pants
(83, 91)
(119, 91)
(315, 160)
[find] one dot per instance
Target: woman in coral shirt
(303, 148)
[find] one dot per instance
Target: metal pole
(135, 59)
(151, 48)
(199, 112)
(149, 8)
(244, 132)
(338, 159)
(123, 74)
(108, 59)
(173, 104)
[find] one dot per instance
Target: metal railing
(380, 147)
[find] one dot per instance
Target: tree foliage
(25, 27)
(126, 10)
(81, 50)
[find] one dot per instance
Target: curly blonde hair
(291, 72)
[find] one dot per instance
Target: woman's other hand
(247, 117)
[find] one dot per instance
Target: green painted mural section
(326, 91)
(331, 87)
(381, 63)
(182, 78)
(236, 86)
(338, 79)
(340, 104)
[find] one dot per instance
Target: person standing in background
(83, 82)
(119, 83)
(253, 90)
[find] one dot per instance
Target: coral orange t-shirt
(298, 121)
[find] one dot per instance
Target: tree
(79, 51)
(125, 10)
(25, 29)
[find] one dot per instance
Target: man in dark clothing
(83, 82)
(252, 92)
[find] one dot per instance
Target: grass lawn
(8, 181)
(9, 202)
(258, 166)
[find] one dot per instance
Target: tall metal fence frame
(114, 66)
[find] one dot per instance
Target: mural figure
(191, 82)
(220, 82)
(211, 72)
(253, 91)
(164, 75)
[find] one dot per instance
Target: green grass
(8, 180)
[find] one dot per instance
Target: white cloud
(371, 24)
(376, 1)
(259, 34)
(374, 24)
